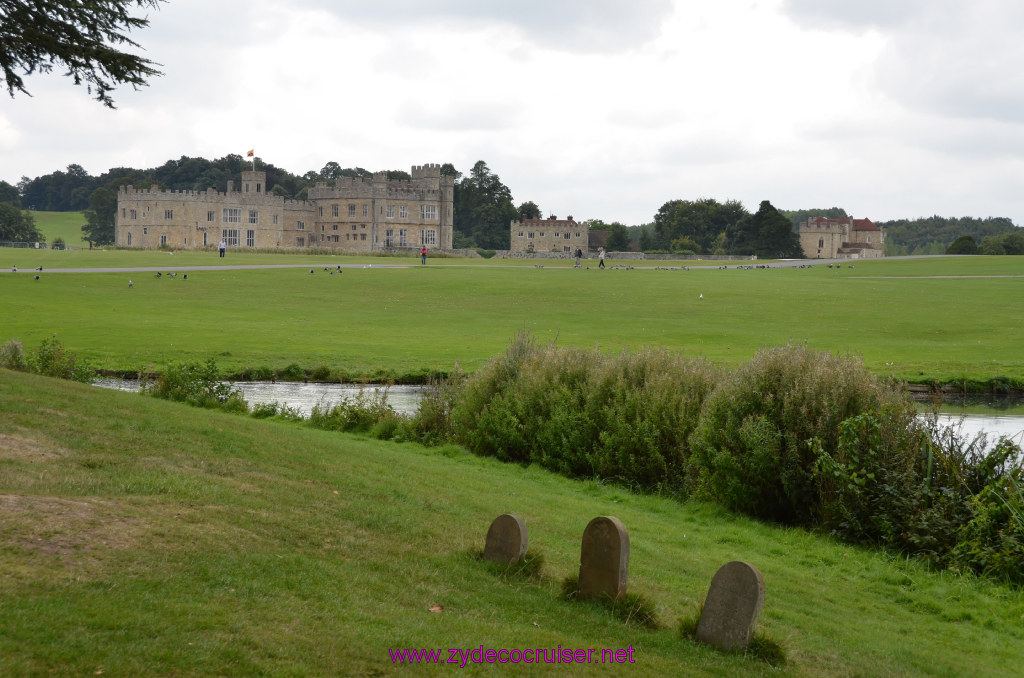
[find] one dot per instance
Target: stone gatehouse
(549, 235)
(353, 215)
(843, 238)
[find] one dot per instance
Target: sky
(599, 109)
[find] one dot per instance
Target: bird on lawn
(131, 284)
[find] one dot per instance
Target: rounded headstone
(506, 539)
(732, 607)
(604, 558)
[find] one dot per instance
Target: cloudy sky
(596, 108)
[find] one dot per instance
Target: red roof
(864, 225)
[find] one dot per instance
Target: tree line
(484, 209)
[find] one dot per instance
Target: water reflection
(303, 396)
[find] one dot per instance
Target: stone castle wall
(353, 215)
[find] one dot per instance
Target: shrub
(432, 423)
(291, 373)
(359, 414)
(12, 356)
(583, 414)
(52, 359)
(197, 384)
(992, 541)
(762, 429)
(261, 373)
(320, 373)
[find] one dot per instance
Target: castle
(549, 235)
(353, 215)
(843, 238)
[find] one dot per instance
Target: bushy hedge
(625, 418)
(762, 430)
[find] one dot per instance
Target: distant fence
(26, 245)
(624, 256)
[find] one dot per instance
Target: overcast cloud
(595, 108)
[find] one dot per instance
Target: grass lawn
(66, 225)
(947, 318)
(142, 537)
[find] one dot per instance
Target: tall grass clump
(764, 427)
(367, 412)
(625, 418)
(12, 356)
(198, 384)
(432, 423)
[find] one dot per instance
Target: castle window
(391, 211)
(320, 210)
(403, 212)
(204, 239)
(168, 214)
(334, 227)
(209, 215)
(335, 238)
(301, 242)
(230, 236)
(402, 237)
(254, 217)
(259, 187)
(302, 225)
(821, 242)
(869, 239)
(354, 227)
(428, 237)
(351, 210)
(135, 215)
(362, 236)
(163, 240)
(231, 215)
(334, 210)
(428, 211)
(365, 213)
(250, 238)
(389, 237)
(145, 231)
(542, 234)
(275, 220)
(129, 239)
(363, 227)
(529, 235)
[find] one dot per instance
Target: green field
(947, 318)
(65, 225)
(143, 537)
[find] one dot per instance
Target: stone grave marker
(604, 558)
(731, 609)
(506, 539)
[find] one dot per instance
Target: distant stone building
(353, 215)
(549, 235)
(843, 238)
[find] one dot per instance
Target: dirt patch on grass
(25, 449)
(64, 527)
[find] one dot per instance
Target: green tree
(18, 226)
(9, 194)
(529, 210)
(963, 245)
(700, 220)
(84, 37)
(618, 238)
(767, 233)
(796, 216)
(483, 209)
(100, 217)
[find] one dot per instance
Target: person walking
(600, 258)
(579, 255)
(222, 246)
(423, 254)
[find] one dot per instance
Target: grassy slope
(902, 316)
(66, 225)
(141, 537)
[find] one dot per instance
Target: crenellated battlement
(429, 171)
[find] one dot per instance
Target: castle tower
(254, 182)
